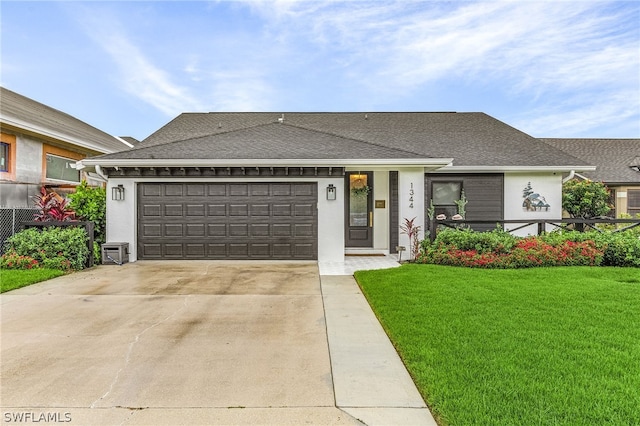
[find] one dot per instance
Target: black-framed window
(444, 196)
(4, 157)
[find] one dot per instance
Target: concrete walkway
(369, 379)
(198, 342)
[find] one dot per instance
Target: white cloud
(239, 91)
(563, 59)
(136, 75)
(581, 117)
(576, 62)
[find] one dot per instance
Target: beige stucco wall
(621, 197)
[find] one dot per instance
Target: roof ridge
(357, 140)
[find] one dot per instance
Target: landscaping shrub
(90, 203)
(12, 260)
(619, 248)
(585, 198)
(52, 247)
(496, 241)
(499, 249)
(622, 249)
(52, 207)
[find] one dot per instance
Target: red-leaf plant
(412, 231)
(52, 207)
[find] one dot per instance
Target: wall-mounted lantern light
(117, 193)
(331, 192)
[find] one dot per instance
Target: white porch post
(411, 202)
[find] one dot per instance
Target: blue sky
(550, 69)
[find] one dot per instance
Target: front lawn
(10, 279)
(542, 346)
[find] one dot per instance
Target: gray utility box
(115, 253)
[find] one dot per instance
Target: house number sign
(411, 196)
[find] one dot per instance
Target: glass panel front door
(359, 206)
(358, 195)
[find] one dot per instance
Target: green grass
(539, 346)
(11, 279)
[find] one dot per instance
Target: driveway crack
(132, 344)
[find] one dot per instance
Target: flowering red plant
(527, 252)
(52, 207)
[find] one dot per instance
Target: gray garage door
(227, 220)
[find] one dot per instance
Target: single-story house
(618, 167)
(40, 145)
(320, 185)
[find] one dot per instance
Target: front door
(359, 209)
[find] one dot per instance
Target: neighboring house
(319, 185)
(130, 140)
(40, 145)
(618, 167)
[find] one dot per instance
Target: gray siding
(484, 192)
(394, 220)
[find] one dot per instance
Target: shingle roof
(265, 141)
(130, 139)
(613, 157)
(472, 139)
(28, 115)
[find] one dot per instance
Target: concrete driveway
(196, 342)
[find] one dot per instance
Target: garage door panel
(195, 230)
(304, 230)
(236, 190)
(151, 210)
(173, 210)
(260, 210)
(151, 251)
(217, 190)
(152, 230)
(260, 189)
(282, 250)
(196, 250)
(152, 190)
(238, 250)
(282, 209)
(305, 209)
(238, 210)
(173, 230)
(173, 250)
(279, 190)
(217, 209)
(260, 229)
(238, 230)
(303, 251)
(216, 251)
(282, 230)
(228, 220)
(305, 190)
(173, 190)
(258, 250)
(195, 209)
(197, 190)
(216, 229)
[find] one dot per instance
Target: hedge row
(500, 249)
